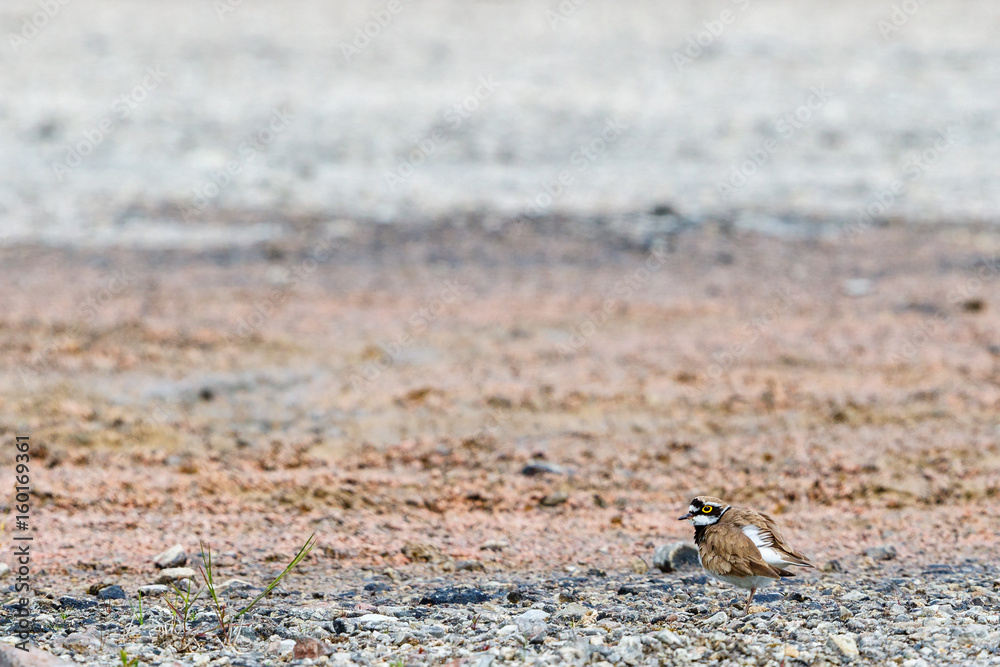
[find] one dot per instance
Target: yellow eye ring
(707, 509)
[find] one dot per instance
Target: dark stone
(75, 603)
(455, 596)
(767, 597)
(376, 587)
(342, 627)
(596, 572)
(628, 590)
(115, 592)
(542, 468)
(515, 596)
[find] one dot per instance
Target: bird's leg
(749, 600)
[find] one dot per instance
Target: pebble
(573, 611)
(172, 574)
(532, 625)
(4, 570)
(718, 619)
(676, 556)
(887, 552)
(543, 468)
(114, 592)
(307, 647)
(845, 645)
(81, 642)
(172, 557)
(150, 590)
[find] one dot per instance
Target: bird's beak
(686, 516)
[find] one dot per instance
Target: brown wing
(727, 551)
(770, 529)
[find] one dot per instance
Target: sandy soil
(848, 387)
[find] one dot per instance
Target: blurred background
(278, 267)
(120, 115)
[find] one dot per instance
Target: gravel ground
(871, 613)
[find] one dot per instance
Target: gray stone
(172, 557)
(4, 570)
(531, 624)
(669, 638)
(630, 649)
(114, 592)
(676, 556)
(150, 590)
(33, 657)
(573, 611)
(81, 642)
(171, 574)
(845, 645)
(720, 618)
(887, 552)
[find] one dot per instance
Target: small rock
(369, 620)
(573, 611)
(791, 651)
(230, 585)
(307, 647)
(438, 632)
(676, 556)
(422, 552)
(638, 566)
(881, 553)
(4, 570)
(172, 574)
(844, 645)
(73, 603)
(494, 545)
(94, 589)
(282, 647)
(542, 468)
(669, 638)
(857, 287)
(114, 592)
(532, 625)
(451, 595)
(150, 590)
(172, 557)
(832, 566)
(470, 566)
(720, 618)
(853, 596)
(897, 610)
(630, 649)
(554, 499)
(81, 642)
(506, 630)
(845, 613)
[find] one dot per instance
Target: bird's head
(704, 511)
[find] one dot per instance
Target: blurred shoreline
(119, 135)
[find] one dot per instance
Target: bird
(740, 546)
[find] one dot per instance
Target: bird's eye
(707, 509)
